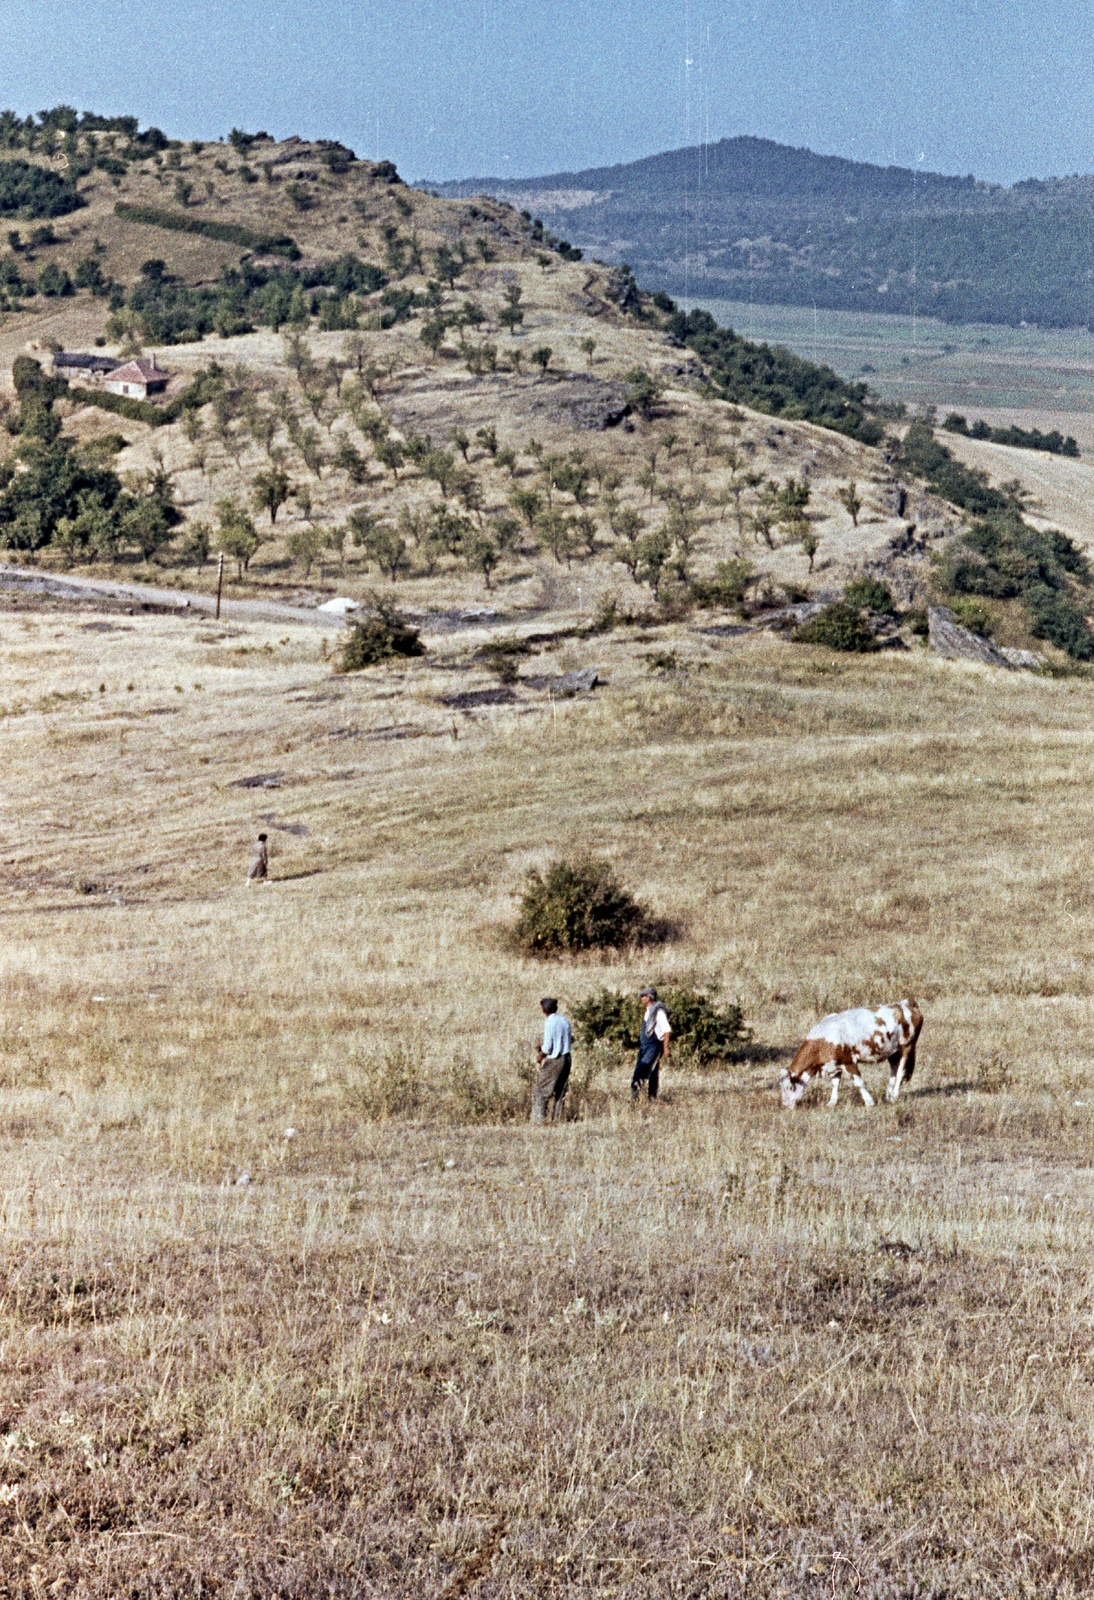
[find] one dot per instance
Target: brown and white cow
(849, 1040)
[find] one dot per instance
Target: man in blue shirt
(554, 1063)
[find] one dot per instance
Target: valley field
(293, 1301)
(1031, 377)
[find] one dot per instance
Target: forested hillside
(750, 219)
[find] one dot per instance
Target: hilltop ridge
(747, 218)
(367, 383)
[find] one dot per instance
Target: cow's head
(790, 1090)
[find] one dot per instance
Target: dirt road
(72, 586)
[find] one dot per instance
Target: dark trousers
(554, 1075)
(648, 1072)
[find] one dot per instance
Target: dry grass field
(293, 1302)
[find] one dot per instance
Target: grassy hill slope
(374, 385)
(749, 219)
(293, 1301)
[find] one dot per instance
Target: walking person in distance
(653, 1045)
(258, 871)
(554, 1057)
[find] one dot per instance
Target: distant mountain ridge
(747, 218)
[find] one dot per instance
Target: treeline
(162, 310)
(769, 378)
(53, 492)
(278, 244)
(1055, 443)
(1001, 556)
(85, 140)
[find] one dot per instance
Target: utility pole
(220, 579)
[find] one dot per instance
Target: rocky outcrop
(949, 639)
(578, 399)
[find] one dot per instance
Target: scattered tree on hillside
(644, 392)
(269, 491)
(482, 555)
(849, 499)
(305, 547)
(236, 534)
(511, 316)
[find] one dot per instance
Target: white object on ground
(340, 606)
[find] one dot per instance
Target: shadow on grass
(942, 1091)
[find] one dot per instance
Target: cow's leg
(896, 1074)
(836, 1075)
(860, 1085)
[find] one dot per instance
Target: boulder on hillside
(949, 639)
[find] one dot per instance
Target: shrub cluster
(704, 1032)
(726, 589)
(27, 190)
(922, 454)
(169, 312)
(840, 626)
(379, 637)
(1002, 558)
(578, 905)
(769, 378)
(873, 594)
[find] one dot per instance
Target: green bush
(871, 593)
(702, 1032)
(27, 190)
(838, 627)
(379, 637)
(577, 905)
(726, 589)
(972, 613)
(1002, 558)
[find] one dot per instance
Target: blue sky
(460, 88)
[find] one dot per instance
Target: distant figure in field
(554, 1057)
(259, 869)
(653, 1045)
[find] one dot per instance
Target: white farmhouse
(138, 379)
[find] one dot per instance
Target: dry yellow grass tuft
(290, 1303)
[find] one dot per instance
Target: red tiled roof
(139, 371)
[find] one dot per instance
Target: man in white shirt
(653, 1045)
(554, 1057)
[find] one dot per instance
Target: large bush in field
(704, 1032)
(577, 905)
(379, 637)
